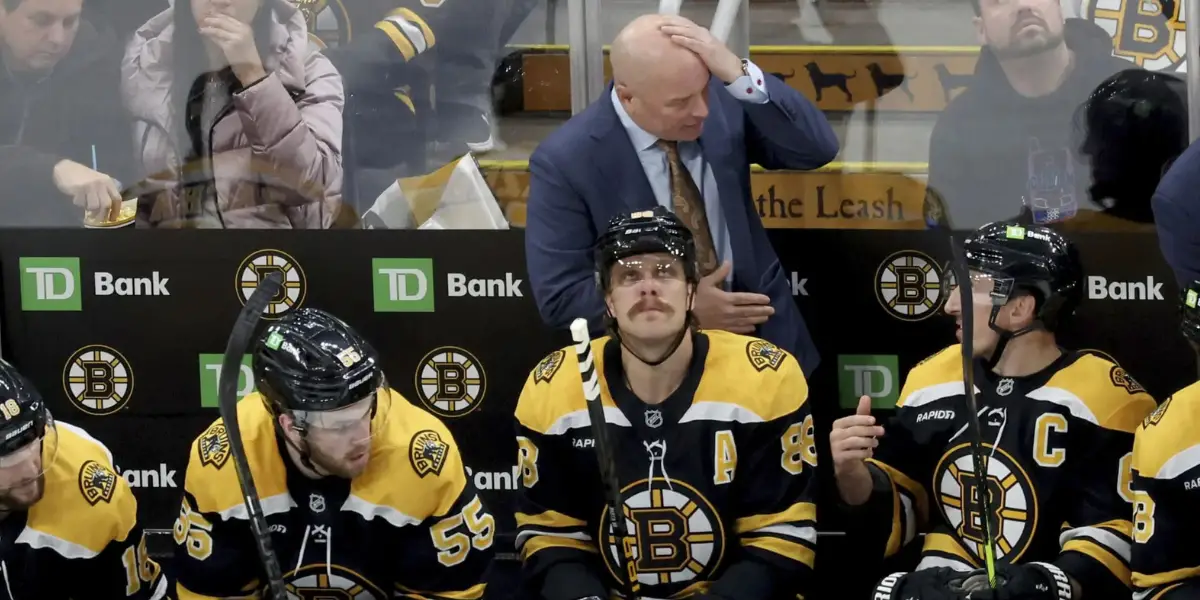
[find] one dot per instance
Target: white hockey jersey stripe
(720, 411)
(579, 419)
(1107, 539)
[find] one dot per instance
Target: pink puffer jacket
(276, 160)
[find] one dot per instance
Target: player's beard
(23, 495)
(1021, 47)
(337, 466)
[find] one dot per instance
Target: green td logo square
(403, 284)
(873, 375)
(210, 377)
(50, 284)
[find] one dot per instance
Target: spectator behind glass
(238, 118)
(59, 106)
(1131, 129)
(1006, 142)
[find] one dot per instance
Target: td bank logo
(403, 284)
(210, 378)
(50, 284)
(54, 284)
(872, 375)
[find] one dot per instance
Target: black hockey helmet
(1129, 130)
(645, 232)
(25, 416)
(1189, 312)
(312, 361)
(1028, 259)
(27, 429)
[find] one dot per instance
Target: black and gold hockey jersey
(1059, 448)
(1166, 494)
(717, 480)
(82, 539)
(411, 526)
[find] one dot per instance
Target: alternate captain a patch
(1122, 379)
(213, 446)
(427, 452)
(96, 482)
(764, 355)
(546, 369)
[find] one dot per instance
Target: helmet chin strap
(305, 456)
(1005, 336)
(678, 341)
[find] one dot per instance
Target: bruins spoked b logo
(1151, 34)
(450, 382)
(910, 285)
(1007, 492)
(98, 380)
(330, 581)
(258, 266)
(679, 537)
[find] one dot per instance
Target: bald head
(642, 53)
(662, 85)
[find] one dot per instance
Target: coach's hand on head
(721, 62)
(852, 441)
(739, 312)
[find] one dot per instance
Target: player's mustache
(645, 305)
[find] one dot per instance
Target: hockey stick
(231, 367)
(938, 218)
(617, 524)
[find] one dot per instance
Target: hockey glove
(926, 584)
(1030, 581)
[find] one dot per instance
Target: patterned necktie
(689, 207)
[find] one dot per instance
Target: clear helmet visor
(347, 433)
(22, 469)
(987, 290)
(661, 267)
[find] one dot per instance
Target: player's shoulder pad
(936, 375)
(554, 388)
(1100, 391)
(212, 477)
(1169, 433)
(415, 469)
(86, 505)
(753, 374)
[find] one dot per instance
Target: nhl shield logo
(316, 503)
(654, 417)
(1005, 387)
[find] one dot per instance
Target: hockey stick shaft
(936, 206)
(617, 523)
(239, 342)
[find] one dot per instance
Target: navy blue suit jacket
(587, 172)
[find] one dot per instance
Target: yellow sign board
(831, 198)
(836, 78)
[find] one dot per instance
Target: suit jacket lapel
(620, 169)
